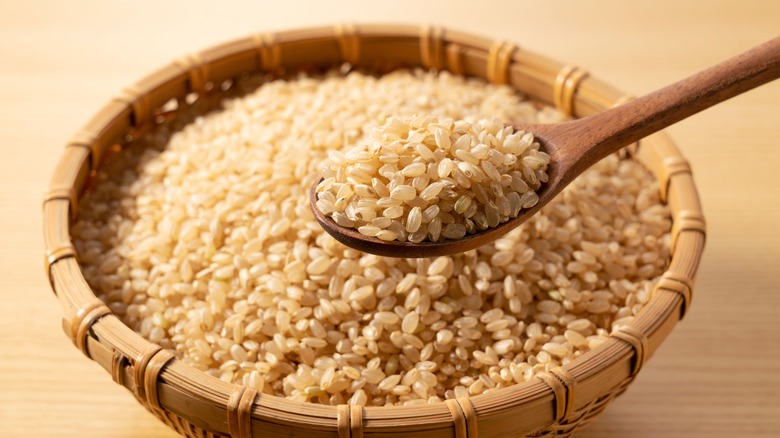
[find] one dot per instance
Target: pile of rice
(420, 178)
(202, 241)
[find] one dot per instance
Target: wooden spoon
(576, 145)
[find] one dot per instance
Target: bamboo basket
(556, 404)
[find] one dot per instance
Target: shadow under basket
(557, 403)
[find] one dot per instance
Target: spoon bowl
(577, 145)
(354, 239)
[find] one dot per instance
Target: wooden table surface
(717, 375)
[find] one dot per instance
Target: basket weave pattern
(558, 403)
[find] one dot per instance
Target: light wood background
(718, 375)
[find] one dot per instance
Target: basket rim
(537, 403)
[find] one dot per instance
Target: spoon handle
(597, 136)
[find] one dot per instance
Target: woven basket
(195, 404)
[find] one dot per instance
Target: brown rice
(418, 174)
(204, 243)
